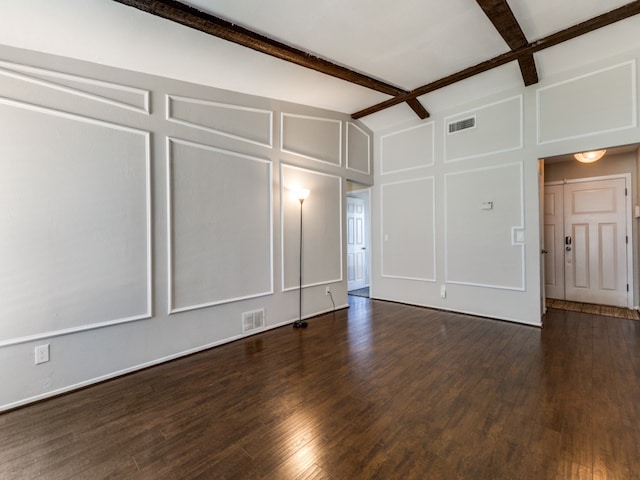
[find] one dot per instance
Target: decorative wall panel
(121, 96)
(484, 227)
(247, 124)
(498, 128)
(75, 247)
(358, 149)
(407, 149)
(408, 229)
(599, 102)
(220, 226)
(312, 137)
(322, 227)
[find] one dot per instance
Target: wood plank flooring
(378, 391)
(604, 310)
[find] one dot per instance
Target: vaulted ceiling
(419, 49)
(403, 50)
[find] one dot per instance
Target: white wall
(142, 216)
(116, 208)
(430, 228)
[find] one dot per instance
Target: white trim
(62, 88)
(209, 103)
(522, 246)
(433, 229)
(417, 279)
(433, 148)
(170, 297)
(284, 165)
(634, 103)
(321, 119)
(158, 361)
(308, 285)
(68, 331)
(462, 115)
(148, 208)
(626, 176)
(368, 171)
(489, 316)
(70, 116)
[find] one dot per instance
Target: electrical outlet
(443, 291)
(42, 354)
(327, 291)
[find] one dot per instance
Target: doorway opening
(588, 230)
(358, 240)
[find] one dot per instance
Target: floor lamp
(300, 195)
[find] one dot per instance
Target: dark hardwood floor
(380, 390)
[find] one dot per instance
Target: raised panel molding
(122, 96)
(247, 124)
(322, 228)
(569, 109)
(406, 254)
(499, 128)
(358, 149)
(205, 241)
(480, 249)
(407, 149)
(96, 229)
(315, 138)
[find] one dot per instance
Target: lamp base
(300, 324)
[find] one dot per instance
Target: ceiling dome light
(590, 157)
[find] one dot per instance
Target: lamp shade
(590, 157)
(301, 193)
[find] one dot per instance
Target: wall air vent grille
(253, 320)
(462, 124)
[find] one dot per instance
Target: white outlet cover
(42, 354)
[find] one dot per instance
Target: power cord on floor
(331, 297)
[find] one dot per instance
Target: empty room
(319, 240)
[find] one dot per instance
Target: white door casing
(356, 244)
(554, 241)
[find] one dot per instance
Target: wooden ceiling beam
(504, 21)
(613, 16)
(417, 107)
(528, 70)
(191, 17)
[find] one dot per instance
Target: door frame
(628, 224)
(365, 195)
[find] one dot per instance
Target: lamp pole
(302, 194)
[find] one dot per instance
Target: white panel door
(595, 250)
(356, 246)
(554, 241)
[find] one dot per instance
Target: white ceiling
(407, 43)
(410, 43)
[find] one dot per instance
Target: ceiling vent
(462, 125)
(253, 320)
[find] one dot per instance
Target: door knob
(544, 252)
(568, 248)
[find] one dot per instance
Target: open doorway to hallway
(589, 228)
(358, 242)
